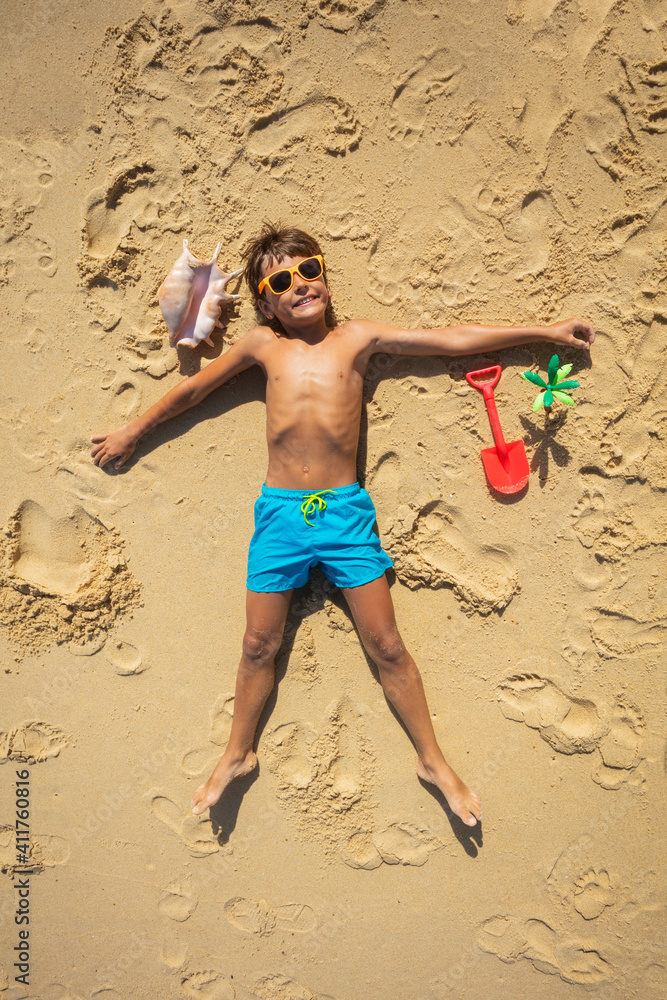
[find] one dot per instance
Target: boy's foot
(460, 799)
(226, 769)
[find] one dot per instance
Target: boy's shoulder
(262, 335)
(355, 328)
(257, 338)
(366, 334)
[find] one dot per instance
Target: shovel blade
(508, 479)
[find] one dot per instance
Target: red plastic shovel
(506, 465)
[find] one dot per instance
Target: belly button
(305, 468)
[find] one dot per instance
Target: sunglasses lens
(310, 269)
(280, 282)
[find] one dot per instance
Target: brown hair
(275, 242)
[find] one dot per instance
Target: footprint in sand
(238, 77)
(386, 477)
(341, 15)
(291, 758)
(36, 340)
(48, 850)
(105, 302)
(178, 902)
(125, 400)
(200, 759)
(632, 446)
(124, 657)
(325, 778)
(405, 844)
(435, 76)
(593, 893)
(524, 220)
(578, 725)
(435, 547)
(44, 171)
(77, 476)
(256, 916)
(618, 635)
(321, 119)
(578, 880)
(207, 985)
(63, 579)
(32, 742)
(347, 771)
(653, 113)
(568, 724)
(381, 286)
(111, 211)
(387, 272)
(589, 516)
(359, 851)
(235, 67)
(48, 554)
(46, 258)
(24, 178)
(602, 127)
(620, 748)
(194, 831)
(398, 844)
(44, 851)
(80, 477)
(279, 987)
(575, 960)
(174, 951)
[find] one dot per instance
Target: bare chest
(321, 373)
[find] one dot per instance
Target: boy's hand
(573, 332)
(118, 444)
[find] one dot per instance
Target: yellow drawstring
(308, 506)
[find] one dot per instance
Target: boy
(312, 510)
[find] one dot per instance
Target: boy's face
(304, 303)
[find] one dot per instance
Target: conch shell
(191, 297)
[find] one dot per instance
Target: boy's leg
(266, 615)
(373, 611)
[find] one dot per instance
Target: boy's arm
(472, 339)
(120, 444)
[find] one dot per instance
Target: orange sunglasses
(281, 281)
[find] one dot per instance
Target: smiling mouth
(304, 302)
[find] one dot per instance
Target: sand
(459, 161)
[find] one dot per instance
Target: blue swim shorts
(295, 530)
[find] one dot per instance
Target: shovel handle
(486, 388)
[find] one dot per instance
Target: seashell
(175, 292)
(191, 297)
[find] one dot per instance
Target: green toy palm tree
(555, 386)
